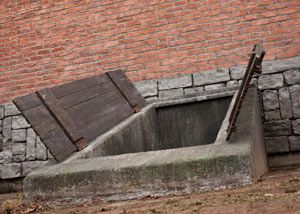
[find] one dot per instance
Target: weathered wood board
(68, 116)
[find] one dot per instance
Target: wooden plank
(60, 115)
(128, 90)
(28, 101)
(100, 114)
(86, 94)
(75, 86)
(50, 132)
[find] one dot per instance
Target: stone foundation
(279, 86)
(21, 150)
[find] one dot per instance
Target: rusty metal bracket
(254, 66)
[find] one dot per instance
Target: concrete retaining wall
(279, 87)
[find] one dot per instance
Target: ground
(277, 192)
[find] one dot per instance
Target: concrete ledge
(148, 173)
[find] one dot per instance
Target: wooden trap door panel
(68, 116)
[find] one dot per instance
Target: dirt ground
(277, 192)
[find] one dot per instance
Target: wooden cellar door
(67, 117)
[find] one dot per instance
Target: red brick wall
(48, 42)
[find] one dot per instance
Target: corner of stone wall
(21, 149)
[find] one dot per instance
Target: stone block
(12, 170)
(171, 93)
(292, 77)
(273, 81)
(280, 65)
(7, 132)
(29, 166)
(278, 128)
(1, 111)
(1, 143)
(19, 158)
(296, 126)
(270, 100)
(277, 144)
(19, 149)
(193, 90)
(211, 77)
(295, 98)
(6, 157)
(294, 143)
(175, 82)
(41, 150)
(285, 103)
(237, 72)
(19, 122)
(19, 135)
(11, 109)
(147, 88)
(272, 115)
(232, 83)
(30, 144)
(214, 87)
(151, 99)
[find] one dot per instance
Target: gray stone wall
(279, 86)
(21, 150)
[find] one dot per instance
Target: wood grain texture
(128, 90)
(60, 114)
(28, 101)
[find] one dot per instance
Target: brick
(292, 77)
(147, 88)
(294, 143)
(19, 122)
(211, 77)
(175, 82)
(285, 103)
(11, 109)
(295, 98)
(296, 126)
(171, 93)
(273, 81)
(277, 144)
(270, 100)
(12, 170)
(278, 128)
(193, 90)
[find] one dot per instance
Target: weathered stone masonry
(21, 150)
(279, 86)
